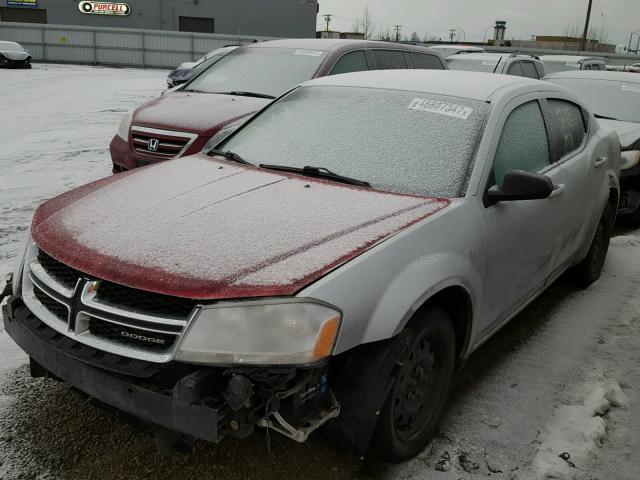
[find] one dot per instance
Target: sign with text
(104, 8)
(22, 3)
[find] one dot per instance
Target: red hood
(202, 113)
(202, 228)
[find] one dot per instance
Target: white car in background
(14, 55)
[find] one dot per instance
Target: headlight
(284, 332)
(19, 265)
(629, 159)
(125, 124)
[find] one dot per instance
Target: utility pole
(452, 33)
(586, 27)
(327, 18)
(397, 27)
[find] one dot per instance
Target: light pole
(484, 37)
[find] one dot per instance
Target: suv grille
(160, 143)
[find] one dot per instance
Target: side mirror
(521, 185)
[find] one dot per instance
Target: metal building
(275, 18)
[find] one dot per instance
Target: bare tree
(415, 37)
(365, 23)
(574, 30)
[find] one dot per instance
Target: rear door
(585, 171)
(522, 246)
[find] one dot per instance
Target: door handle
(559, 190)
(600, 161)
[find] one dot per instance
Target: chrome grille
(104, 315)
(164, 144)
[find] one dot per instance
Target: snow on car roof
(596, 75)
(473, 85)
(10, 46)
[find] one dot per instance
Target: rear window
(571, 125)
(529, 70)
(407, 142)
(422, 60)
(389, 59)
(515, 69)
(264, 70)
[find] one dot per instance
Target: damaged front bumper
(180, 401)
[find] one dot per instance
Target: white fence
(115, 46)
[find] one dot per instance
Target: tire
(422, 382)
(3, 62)
(632, 219)
(590, 268)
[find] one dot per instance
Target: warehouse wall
(278, 18)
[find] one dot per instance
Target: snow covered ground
(555, 394)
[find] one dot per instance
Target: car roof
(568, 58)
(334, 44)
(449, 46)
(8, 43)
(596, 75)
(472, 85)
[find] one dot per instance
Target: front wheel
(590, 268)
(422, 381)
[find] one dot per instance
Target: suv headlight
(25, 246)
(267, 332)
(125, 124)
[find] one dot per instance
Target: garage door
(27, 15)
(196, 24)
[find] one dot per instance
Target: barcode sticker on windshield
(309, 53)
(631, 88)
(441, 108)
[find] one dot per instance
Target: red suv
(223, 96)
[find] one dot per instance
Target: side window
(515, 69)
(389, 59)
(529, 70)
(422, 60)
(350, 62)
(587, 67)
(570, 126)
(602, 66)
(523, 144)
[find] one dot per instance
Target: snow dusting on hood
(204, 228)
(203, 113)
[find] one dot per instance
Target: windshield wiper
(230, 155)
(249, 94)
(318, 172)
(597, 115)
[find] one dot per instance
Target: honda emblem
(153, 145)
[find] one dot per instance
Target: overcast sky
(524, 17)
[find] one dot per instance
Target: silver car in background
(520, 65)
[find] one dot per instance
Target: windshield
(209, 61)
(399, 141)
(471, 64)
(265, 70)
(608, 98)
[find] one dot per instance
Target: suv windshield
(607, 98)
(406, 142)
(265, 70)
